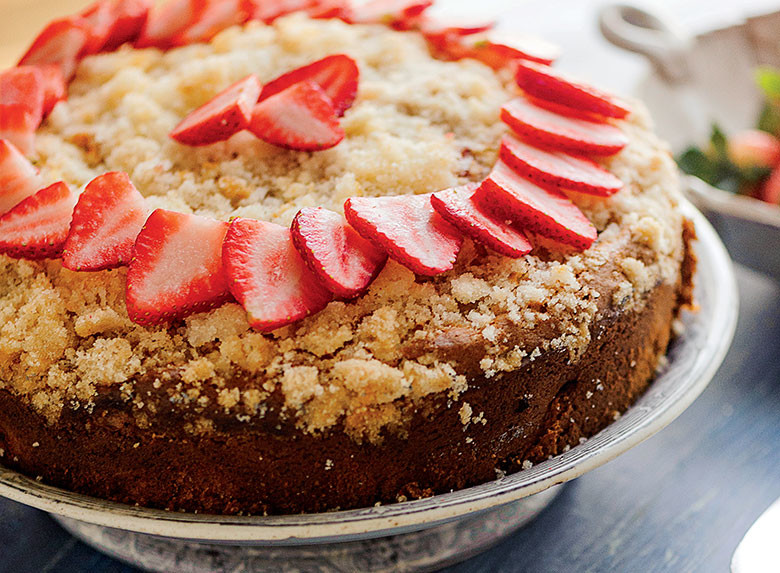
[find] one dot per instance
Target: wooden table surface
(679, 502)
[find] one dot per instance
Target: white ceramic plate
(693, 359)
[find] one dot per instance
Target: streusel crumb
(418, 125)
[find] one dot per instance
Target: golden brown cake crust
(502, 423)
(418, 125)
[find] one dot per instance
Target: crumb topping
(418, 125)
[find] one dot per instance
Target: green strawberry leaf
(768, 79)
(719, 142)
(715, 167)
(769, 120)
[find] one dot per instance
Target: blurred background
(570, 23)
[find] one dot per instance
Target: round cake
(419, 384)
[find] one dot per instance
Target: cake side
(418, 125)
(502, 424)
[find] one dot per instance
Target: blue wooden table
(679, 502)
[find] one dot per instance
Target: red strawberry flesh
(345, 262)
(37, 227)
(18, 177)
(324, 9)
(543, 82)
(554, 168)
(228, 113)
(22, 94)
(54, 86)
(98, 20)
(166, 22)
(176, 269)
(435, 26)
(541, 210)
(460, 208)
(301, 118)
(129, 19)
(337, 75)
(108, 217)
(60, 42)
(547, 128)
(269, 10)
(268, 276)
(408, 228)
(211, 17)
(389, 11)
(499, 49)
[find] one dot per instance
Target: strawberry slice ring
(554, 168)
(18, 177)
(61, 42)
(37, 227)
(228, 113)
(391, 12)
(180, 264)
(409, 229)
(459, 207)
(337, 75)
(545, 83)
(267, 275)
(345, 262)
(300, 117)
(547, 128)
(541, 210)
(108, 217)
(176, 268)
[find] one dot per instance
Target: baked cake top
(418, 125)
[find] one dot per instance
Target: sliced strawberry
(541, 210)
(565, 110)
(98, 20)
(409, 229)
(343, 261)
(557, 169)
(325, 9)
(543, 82)
(212, 16)
(61, 42)
(542, 126)
(300, 117)
(268, 276)
(37, 227)
(396, 13)
(498, 50)
(337, 75)
(447, 46)
(460, 208)
(166, 22)
(106, 221)
(226, 114)
(176, 269)
(21, 106)
(54, 87)
(269, 10)
(436, 26)
(129, 20)
(753, 148)
(19, 178)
